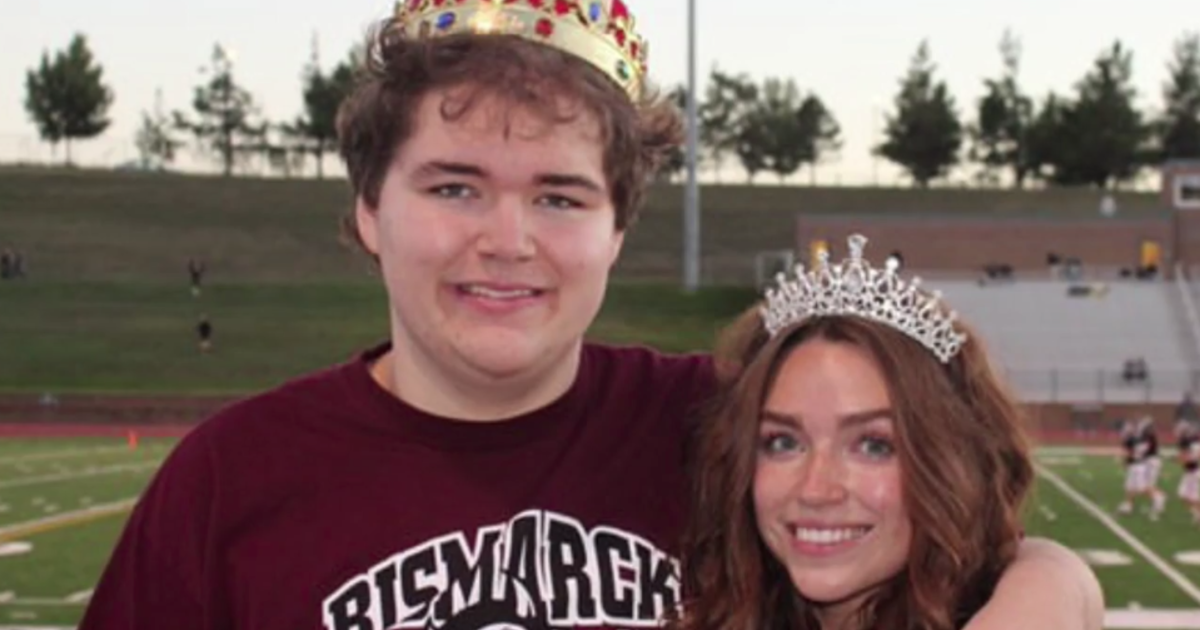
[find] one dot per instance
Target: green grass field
(130, 337)
(63, 502)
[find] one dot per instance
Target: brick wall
(969, 244)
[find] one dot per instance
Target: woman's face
(828, 489)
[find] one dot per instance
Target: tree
(1178, 129)
(1049, 139)
(999, 134)
(155, 143)
(820, 132)
(316, 129)
(784, 148)
(924, 135)
(1107, 135)
(66, 97)
(226, 123)
(728, 99)
(753, 135)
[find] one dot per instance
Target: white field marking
(1154, 559)
(60, 454)
(81, 596)
(1061, 460)
(1048, 513)
(1191, 558)
(1104, 557)
(87, 472)
(7, 596)
(1142, 619)
(1064, 451)
(41, 601)
(15, 548)
(35, 526)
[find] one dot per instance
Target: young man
(485, 467)
(1142, 465)
(196, 270)
(1149, 436)
(204, 333)
(1189, 458)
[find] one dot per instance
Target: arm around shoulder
(1047, 587)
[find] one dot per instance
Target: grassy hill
(102, 226)
(106, 306)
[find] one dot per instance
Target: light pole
(691, 206)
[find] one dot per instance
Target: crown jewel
(854, 288)
(600, 32)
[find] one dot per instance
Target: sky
(850, 53)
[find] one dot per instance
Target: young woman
(865, 467)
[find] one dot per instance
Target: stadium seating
(1058, 347)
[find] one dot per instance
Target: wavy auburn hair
(965, 466)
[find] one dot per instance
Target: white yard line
(62, 454)
(1150, 619)
(87, 472)
(81, 596)
(41, 601)
(32, 527)
(1154, 559)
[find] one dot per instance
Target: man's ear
(366, 221)
(617, 243)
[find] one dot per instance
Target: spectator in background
(1186, 410)
(196, 270)
(204, 330)
(12, 264)
(1135, 370)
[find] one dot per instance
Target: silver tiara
(855, 288)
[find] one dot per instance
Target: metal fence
(1085, 386)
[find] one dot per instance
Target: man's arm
(155, 578)
(1047, 587)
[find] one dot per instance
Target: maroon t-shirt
(328, 503)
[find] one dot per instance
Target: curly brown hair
(965, 466)
(556, 86)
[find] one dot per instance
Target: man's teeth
(830, 536)
(498, 295)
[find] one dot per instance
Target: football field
(63, 502)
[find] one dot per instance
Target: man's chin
(502, 356)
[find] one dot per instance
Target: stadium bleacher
(1060, 347)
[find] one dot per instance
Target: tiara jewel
(854, 288)
(600, 32)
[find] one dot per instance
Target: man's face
(495, 234)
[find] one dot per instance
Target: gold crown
(600, 32)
